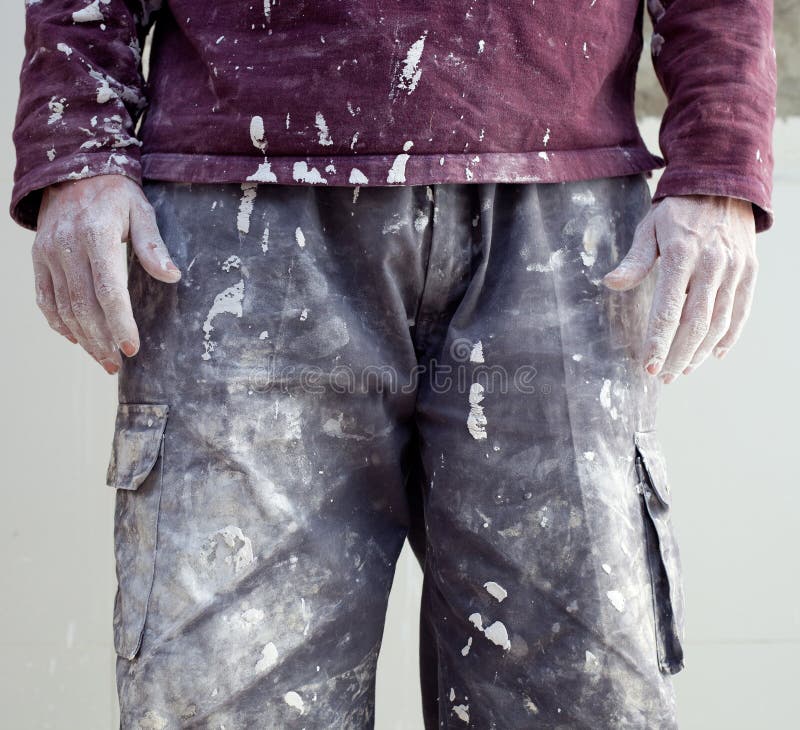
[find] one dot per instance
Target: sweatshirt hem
(406, 168)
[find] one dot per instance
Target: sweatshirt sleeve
(81, 94)
(715, 60)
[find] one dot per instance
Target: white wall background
(729, 432)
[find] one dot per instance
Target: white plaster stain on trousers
(476, 419)
(228, 301)
(495, 590)
(294, 700)
(496, 632)
(232, 541)
(246, 204)
(617, 600)
(152, 721)
(269, 656)
(476, 354)
(461, 712)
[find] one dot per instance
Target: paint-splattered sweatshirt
(393, 92)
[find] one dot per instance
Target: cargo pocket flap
(663, 551)
(137, 438)
(138, 449)
(650, 452)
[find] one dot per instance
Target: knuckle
(722, 325)
(664, 319)
(705, 291)
(41, 284)
(657, 347)
(712, 257)
(141, 206)
(81, 308)
(45, 303)
(697, 328)
(734, 267)
(736, 257)
(40, 248)
(91, 225)
(47, 250)
(748, 279)
(108, 293)
(63, 240)
(678, 251)
(97, 232)
(65, 312)
(642, 228)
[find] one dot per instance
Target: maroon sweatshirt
(392, 92)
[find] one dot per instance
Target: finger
(63, 306)
(149, 246)
(639, 260)
(85, 307)
(45, 296)
(108, 260)
(742, 306)
(695, 321)
(720, 323)
(667, 306)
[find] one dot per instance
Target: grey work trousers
(340, 369)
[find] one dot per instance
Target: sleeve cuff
(26, 196)
(733, 186)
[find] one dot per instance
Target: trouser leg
(552, 585)
(257, 539)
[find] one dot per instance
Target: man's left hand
(704, 291)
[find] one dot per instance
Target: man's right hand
(80, 262)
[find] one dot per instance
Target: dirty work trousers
(341, 369)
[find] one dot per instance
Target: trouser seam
(420, 319)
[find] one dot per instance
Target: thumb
(639, 260)
(149, 246)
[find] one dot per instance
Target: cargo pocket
(663, 554)
(135, 471)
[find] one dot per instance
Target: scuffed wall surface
(650, 98)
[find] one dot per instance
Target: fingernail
(128, 347)
(169, 266)
(653, 365)
(688, 369)
(71, 339)
(110, 366)
(720, 352)
(668, 378)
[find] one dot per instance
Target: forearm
(715, 60)
(81, 92)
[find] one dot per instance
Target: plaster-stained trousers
(341, 368)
